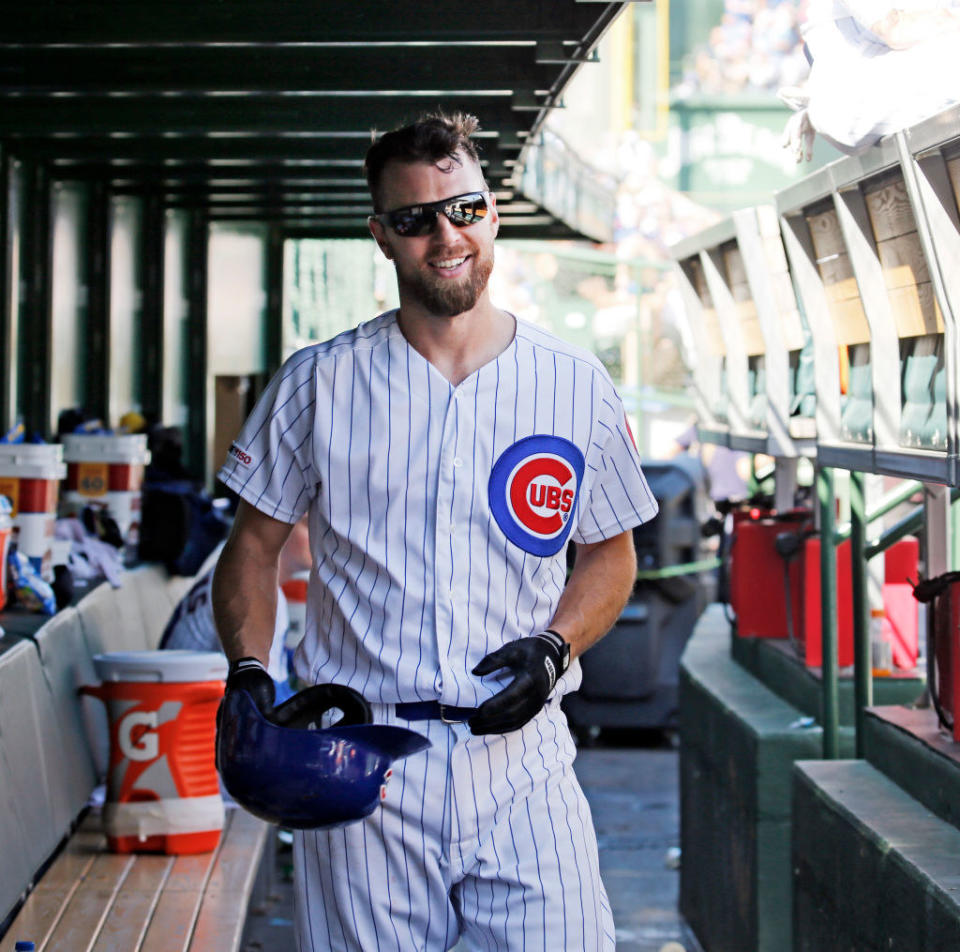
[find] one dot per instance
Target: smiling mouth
(449, 264)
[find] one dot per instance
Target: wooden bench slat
(42, 910)
(38, 918)
(191, 872)
(93, 901)
(245, 835)
(220, 923)
(88, 907)
(172, 927)
(127, 922)
(73, 862)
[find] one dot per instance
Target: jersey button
(457, 462)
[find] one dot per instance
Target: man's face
(445, 271)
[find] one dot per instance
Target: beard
(443, 297)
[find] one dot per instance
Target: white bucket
(108, 471)
(34, 535)
(30, 475)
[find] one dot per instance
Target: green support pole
(828, 613)
(275, 285)
(199, 422)
(862, 677)
(8, 229)
(910, 524)
(889, 502)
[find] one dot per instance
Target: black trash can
(630, 676)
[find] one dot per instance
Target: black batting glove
(249, 674)
(536, 662)
(304, 709)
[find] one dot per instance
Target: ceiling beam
(290, 21)
(198, 174)
(97, 114)
(272, 68)
(347, 149)
(249, 111)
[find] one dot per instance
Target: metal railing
(861, 551)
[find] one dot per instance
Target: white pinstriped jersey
(439, 515)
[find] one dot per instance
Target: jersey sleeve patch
(241, 456)
(533, 492)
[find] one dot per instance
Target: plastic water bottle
(881, 649)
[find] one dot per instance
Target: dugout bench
(59, 887)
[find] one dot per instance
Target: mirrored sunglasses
(416, 220)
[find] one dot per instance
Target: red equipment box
(758, 588)
(757, 572)
(946, 649)
(898, 602)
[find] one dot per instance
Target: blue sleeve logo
(533, 492)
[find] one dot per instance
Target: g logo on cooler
(533, 492)
(135, 743)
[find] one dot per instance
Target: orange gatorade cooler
(163, 792)
(107, 470)
(30, 475)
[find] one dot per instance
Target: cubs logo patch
(533, 492)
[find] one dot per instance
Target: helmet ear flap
(306, 708)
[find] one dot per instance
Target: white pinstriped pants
(488, 839)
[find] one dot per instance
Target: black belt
(433, 711)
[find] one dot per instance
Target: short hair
(432, 137)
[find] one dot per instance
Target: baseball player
(446, 454)
(192, 627)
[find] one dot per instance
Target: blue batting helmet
(284, 772)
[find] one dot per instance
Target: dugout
(816, 810)
(158, 161)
